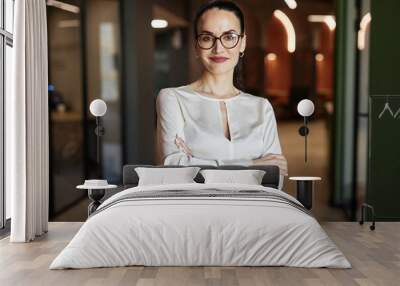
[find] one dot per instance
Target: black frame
(6, 39)
(218, 38)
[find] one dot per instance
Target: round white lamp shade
(98, 107)
(305, 107)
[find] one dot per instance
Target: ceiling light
(329, 20)
(291, 34)
(292, 4)
(63, 6)
(159, 23)
(362, 33)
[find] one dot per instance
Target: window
(6, 62)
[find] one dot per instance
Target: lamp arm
(98, 134)
(99, 131)
(305, 139)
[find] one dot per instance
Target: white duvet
(200, 231)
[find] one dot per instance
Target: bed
(198, 224)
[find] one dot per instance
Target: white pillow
(248, 177)
(163, 176)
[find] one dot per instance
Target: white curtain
(27, 147)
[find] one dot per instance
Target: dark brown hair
(231, 7)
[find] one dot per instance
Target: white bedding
(200, 231)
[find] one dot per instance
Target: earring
(241, 54)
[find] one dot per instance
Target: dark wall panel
(384, 132)
(137, 82)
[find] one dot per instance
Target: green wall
(384, 133)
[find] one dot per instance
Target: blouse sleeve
(170, 124)
(271, 138)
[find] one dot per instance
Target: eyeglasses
(228, 40)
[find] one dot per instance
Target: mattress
(201, 225)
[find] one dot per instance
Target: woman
(211, 121)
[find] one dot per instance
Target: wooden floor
(375, 256)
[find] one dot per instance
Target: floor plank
(375, 257)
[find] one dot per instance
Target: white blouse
(197, 119)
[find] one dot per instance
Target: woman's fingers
(180, 143)
(276, 159)
(274, 156)
(280, 164)
(282, 168)
(279, 161)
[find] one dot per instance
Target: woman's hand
(180, 143)
(274, 159)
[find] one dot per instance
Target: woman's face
(219, 59)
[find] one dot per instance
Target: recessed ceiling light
(159, 23)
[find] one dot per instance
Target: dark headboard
(271, 177)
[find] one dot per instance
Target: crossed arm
(269, 159)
